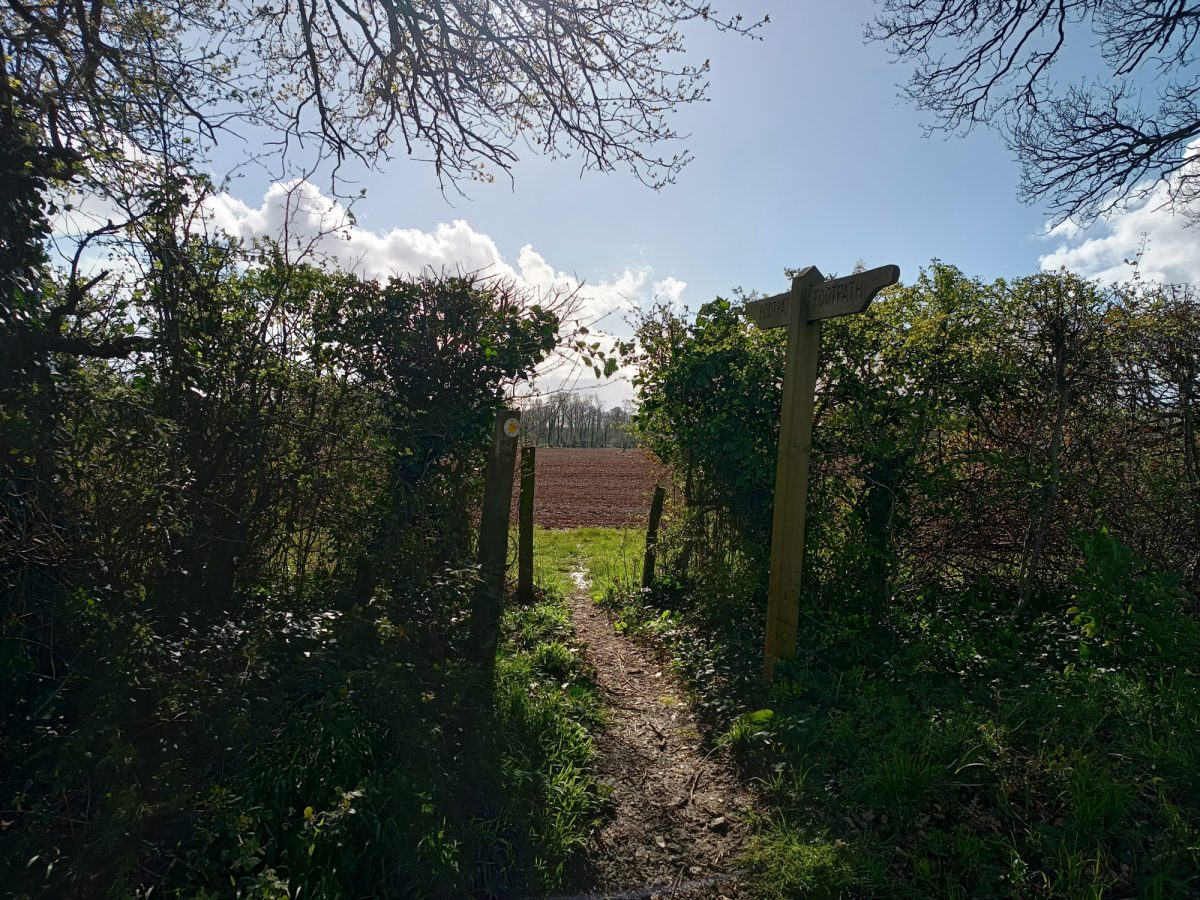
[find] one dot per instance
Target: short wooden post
(493, 542)
(525, 525)
(656, 509)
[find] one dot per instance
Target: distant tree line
(577, 420)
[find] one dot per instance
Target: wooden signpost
(801, 310)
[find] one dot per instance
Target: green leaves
(709, 396)
(1124, 612)
(603, 361)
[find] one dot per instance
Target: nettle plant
(1125, 613)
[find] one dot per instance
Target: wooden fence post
(493, 543)
(656, 508)
(525, 525)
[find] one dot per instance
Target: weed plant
(955, 752)
(349, 767)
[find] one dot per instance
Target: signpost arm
(791, 474)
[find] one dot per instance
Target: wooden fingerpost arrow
(810, 300)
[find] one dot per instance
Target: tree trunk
(1040, 519)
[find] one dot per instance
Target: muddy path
(677, 815)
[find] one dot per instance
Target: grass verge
(373, 782)
(954, 754)
(609, 558)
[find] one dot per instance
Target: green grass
(610, 558)
(548, 703)
(791, 866)
(956, 755)
(381, 784)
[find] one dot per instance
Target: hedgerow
(995, 692)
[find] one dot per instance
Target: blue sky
(805, 154)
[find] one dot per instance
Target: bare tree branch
(1084, 148)
(461, 82)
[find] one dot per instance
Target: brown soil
(609, 488)
(677, 814)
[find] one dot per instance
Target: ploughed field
(604, 488)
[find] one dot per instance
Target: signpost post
(801, 310)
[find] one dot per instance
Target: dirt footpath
(677, 815)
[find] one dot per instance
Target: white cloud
(670, 291)
(610, 393)
(312, 226)
(316, 226)
(1172, 246)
